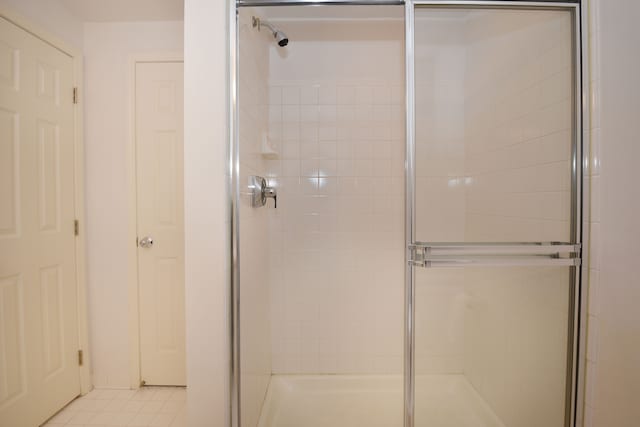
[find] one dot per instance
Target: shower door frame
(576, 359)
(576, 342)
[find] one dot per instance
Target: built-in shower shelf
(267, 150)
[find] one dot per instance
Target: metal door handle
(146, 242)
(494, 255)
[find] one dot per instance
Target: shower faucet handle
(271, 193)
(260, 192)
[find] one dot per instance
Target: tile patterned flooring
(146, 407)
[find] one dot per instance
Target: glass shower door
(494, 213)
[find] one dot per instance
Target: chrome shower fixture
(281, 38)
(260, 192)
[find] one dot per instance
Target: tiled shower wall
(255, 340)
(338, 235)
(518, 121)
(440, 203)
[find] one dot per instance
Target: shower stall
(407, 213)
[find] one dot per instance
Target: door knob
(146, 242)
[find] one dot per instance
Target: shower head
(280, 37)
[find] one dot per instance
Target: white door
(39, 370)
(159, 157)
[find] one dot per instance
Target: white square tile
(309, 113)
(95, 404)
(327, 95)
(382, 95)
(291, 95)
(291, 150)
(106, 394)
(111, 419)
(133, 406)
(180, 420)
(275, 114)
(275, 95)
(309, 150)
(327, 113)
(162, 420)
(172, 406)
(123, 418)
(327, 133)
(327, 150)
(397, 95)
(309, 95)
(291, 113)
(126, 394)
(81, 418)
(152, 406)
(346, 95)
(364, 95)
(308, 132)
(345, 114)
(291, 132)
(116, 405)
(163, 394)
(142, 419)
(144, 394)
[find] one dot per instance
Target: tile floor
(148, 407)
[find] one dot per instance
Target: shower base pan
(372, 401)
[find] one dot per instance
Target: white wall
(613, 377)
(108, 50)
(255, 340)
(206, 215)
(52, 16)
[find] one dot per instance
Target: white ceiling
(126, 10)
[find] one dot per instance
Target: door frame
(579, 232)
(135, 376)
(85, 377)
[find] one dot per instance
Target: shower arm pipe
(260, 23)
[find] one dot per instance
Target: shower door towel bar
(536, 254)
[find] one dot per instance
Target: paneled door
(39, 370)
(159, 158)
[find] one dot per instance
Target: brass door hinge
(80, 358)
(76, 227)
(75, 95)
